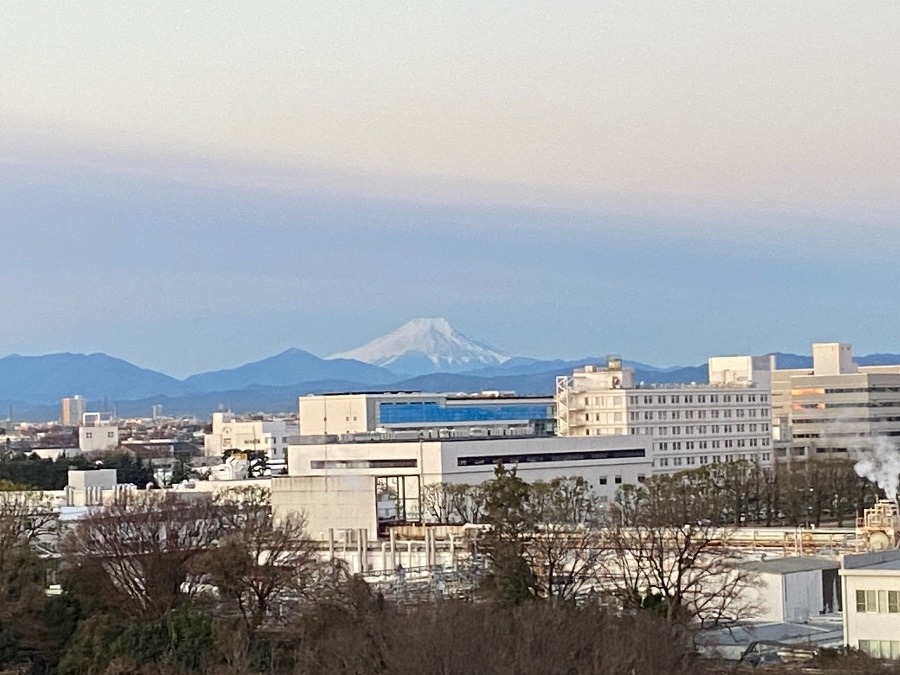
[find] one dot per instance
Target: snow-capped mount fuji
(423, 346)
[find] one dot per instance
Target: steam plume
(881, 466)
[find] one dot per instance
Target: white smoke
(881, 466)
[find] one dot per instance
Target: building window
(364, 464)
(572, 456)
(881, 649)
(882, 602)
(603, 480)
(617, 480)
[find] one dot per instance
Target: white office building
(269, 435)
(689, 425)
(357, 485)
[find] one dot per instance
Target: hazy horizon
(192, 188)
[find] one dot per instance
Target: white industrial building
(357, 485)
(269, 435)
(871, 590)
(690, 425)
(835, 406)
(796, 589)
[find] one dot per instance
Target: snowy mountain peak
(425, 345)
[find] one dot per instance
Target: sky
(196, 185)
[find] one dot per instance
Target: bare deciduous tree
(682, 570)
(142, 544)
(456, 503)
(259, 563)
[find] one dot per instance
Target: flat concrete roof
(790, 565)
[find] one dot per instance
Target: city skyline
(689, 181)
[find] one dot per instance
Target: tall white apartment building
(691, 425)
(270, 435)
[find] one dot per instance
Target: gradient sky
(195, 185)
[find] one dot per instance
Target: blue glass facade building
(434, 412)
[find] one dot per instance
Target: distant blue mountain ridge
(33, 385)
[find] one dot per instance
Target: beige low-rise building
(268, 435)
(835, 407)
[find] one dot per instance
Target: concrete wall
(344, 414)
(802, 596)
(768, 595)
(328, 502)
(95, 478)
(98, 438)
(832, 358)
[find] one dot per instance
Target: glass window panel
(871, 604)
(894, 602)
(860, 602)
(882, 602)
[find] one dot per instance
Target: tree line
(26, 471)
(736, 493)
